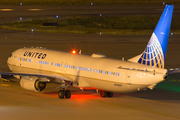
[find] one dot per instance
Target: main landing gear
(64, 93)
(106, 94)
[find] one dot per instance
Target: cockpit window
(10, 55)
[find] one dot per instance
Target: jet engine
(32, 83)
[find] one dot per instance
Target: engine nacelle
(32, 83)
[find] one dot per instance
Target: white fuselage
(86, 71)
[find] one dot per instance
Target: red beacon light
(73, 52)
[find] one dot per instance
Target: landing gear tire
(61, 94)
(68, 94)
(103, 93)
(109, 94)
(64, 93)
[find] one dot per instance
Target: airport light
(20, 18)
(171, 33)
(20, 3)
(91, 3)
(32, 30)
(163, 3)
(57, 16)
(100, 15)
(100, 33)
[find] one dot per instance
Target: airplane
(36, 67)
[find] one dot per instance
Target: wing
(57, 78)
(37, 81)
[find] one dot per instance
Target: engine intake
(32, 83)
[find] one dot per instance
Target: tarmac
(16, 103)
